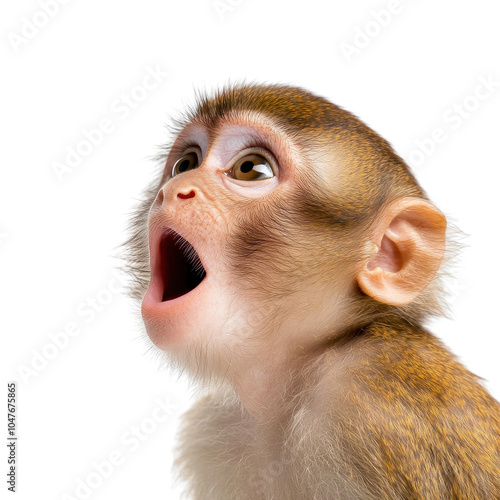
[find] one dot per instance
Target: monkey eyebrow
(181, 145)
(263, 127)
(262, 131)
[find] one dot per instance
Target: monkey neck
(271, 386)
(267, 383)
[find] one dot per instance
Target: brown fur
(381, 411)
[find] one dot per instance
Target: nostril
(159, 197)
(183, 196)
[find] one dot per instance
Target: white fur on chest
(224, 454)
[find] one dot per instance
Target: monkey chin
(172, 305)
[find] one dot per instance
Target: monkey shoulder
(409, 419)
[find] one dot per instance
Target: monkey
(287, 260)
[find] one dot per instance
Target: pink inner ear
(388, 257)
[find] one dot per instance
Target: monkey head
(279, 222)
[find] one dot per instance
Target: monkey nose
(182, 194)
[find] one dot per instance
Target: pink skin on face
(155, 311)
(197, 205)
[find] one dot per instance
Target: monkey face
(225, 264)
(206, 187)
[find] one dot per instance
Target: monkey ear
(409, 240)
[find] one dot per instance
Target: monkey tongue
(181, 267)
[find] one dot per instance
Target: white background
(58, 235)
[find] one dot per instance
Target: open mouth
(180, 266)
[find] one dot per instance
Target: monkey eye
(185, 163)
(252, 167)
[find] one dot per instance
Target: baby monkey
(287, 259)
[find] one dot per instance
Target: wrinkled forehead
(252, 124)
(289, 116)
(289, 111)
